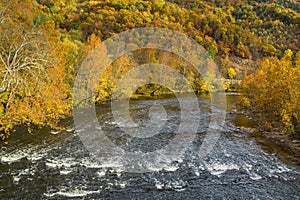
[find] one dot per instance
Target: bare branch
(23, 60)
(3, 12)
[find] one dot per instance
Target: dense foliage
(274, 92)
(43, 43)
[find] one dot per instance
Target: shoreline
(285, 147)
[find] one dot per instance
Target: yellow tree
(32, 74)
(273, 92)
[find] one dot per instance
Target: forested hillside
(43, 43)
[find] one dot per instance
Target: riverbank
(284, 146)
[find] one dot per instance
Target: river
(49, 164)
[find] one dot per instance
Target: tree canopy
(43, 43)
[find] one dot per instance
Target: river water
(49, 164)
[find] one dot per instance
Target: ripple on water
(65, 170)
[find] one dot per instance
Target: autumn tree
(32, 73)
(231, 73)
(273, 92)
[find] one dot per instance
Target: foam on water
(32, 153)
(159, 185)
(254, 176)
(122, 185)
(218, 169)
(66, 162)
(16, 179)
(162, 167)
(177, 185)
(101, 173)
(65, 172)
(18, 174)
(11, 158)
(171, 168)
(55, 132)
(91, 164)
(72, 193)
(70, 129)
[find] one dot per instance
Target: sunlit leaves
(34, 89)
(274, 91)
(231, 73)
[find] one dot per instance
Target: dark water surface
(47, 164)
